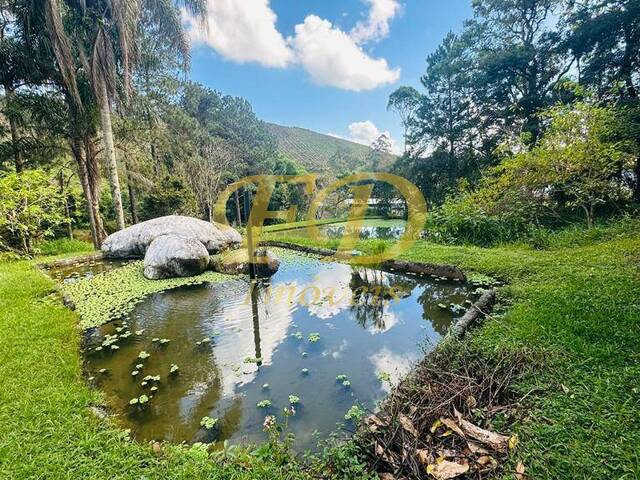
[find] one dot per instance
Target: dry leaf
(407, 425)
(475, 448)
(513, 442)
(471, 401)
(487, 461)
(452, 425)
(564, 388)
(520, 471)
(425, 456)
(383, 454)
(386, 476)
(446, 469)
(374, 422)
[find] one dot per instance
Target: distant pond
(328, 335)
(371, 228)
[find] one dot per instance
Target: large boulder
(237, 262)
(171, 256)
(132, 242)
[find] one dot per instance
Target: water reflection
(324, 317)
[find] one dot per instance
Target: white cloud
(333, 58)
(243, 31)
(365, 133)
(376, 27)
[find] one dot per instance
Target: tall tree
(605, 36)
(404, 101)
(92, 31)
(445, 117)
(517, 62)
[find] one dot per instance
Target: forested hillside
(323, 153)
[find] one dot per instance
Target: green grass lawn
(578, 304)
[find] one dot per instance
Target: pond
(330, 334)
(73, 271)
(371, 228)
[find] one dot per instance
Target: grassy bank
(577, 307)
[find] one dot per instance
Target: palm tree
(88, 31)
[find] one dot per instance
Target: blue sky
(322, 64)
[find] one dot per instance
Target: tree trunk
(132, 196)
(67, 213)
(110, 155)
(636, 189)
(588, 211)
(93, 176)
(13, 127)
(238, 214)
(78, 153)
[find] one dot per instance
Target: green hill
(320, 153)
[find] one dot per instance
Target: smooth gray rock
(171, 256)
(132, 242)
(237, 262)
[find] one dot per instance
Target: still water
(314, 321)
(370, 228)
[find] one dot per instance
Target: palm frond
(62, 49)
(103, 65)
(126, 14)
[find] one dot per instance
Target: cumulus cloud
(366, 132)
(332, 57)
(243, 31)
(376, 26)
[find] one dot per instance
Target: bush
(461, 222)
(31, 207)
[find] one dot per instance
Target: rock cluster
(178, 246)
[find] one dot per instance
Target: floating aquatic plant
(141, 400)
(305, 371)
(265, 386)
(297, 336)
(153, 389)
(208, 422)
(103, 297)
(355, 413)
(139, 366)
(294, 399)
(314, 337)
(341, 378)
(305, 354)
(135, 373)
(102, 371)
(252, 360)
(164, 341)
(174, 369)
(346, 384)
(384, 376)
(143, 355)
(264, 404)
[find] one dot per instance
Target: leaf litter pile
(439, 422)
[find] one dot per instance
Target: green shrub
(31, 207)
